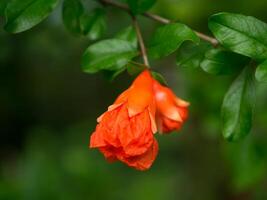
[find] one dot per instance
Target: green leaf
(129, 35)
(22, 15)
(94, 24)
(3, 4)
(140, 6)
(242, 34)
(71, 14)
(111, 54)
(190, 55)
(261, 72)
(157, 76)
(168, 38)
(237, 107)
(221, 62)
(134, 68)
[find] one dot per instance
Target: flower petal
(170, 125)
(108, 126)
(166, 106)
(135, 134)
(181, 102)
(144, 161)
(109, 152)
(140, 94)
(122, 98)
(96, 139)
(166, 102)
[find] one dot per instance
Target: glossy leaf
(94, 24)
(190, 55)
(242, 34)
(71, 14)
(168, 38)
(111, 54)
(23, 15)
(237, 107)
(261, 72)
(129, 35)
(140, 6)
(220, 62)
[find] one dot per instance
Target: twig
(140, 41)
(160, 19)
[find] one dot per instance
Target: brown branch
(160, 19)
(140, 41)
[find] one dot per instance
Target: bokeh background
(48, 109)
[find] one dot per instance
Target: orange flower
(125, 130)
(171, 110)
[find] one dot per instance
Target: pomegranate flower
(125, 131)
(171, 111)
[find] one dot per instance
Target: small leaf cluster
(242, 52)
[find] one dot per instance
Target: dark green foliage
(128, 34)
(3, 4)
(237, 107)
(190, 55)
(261, 72)
(23, 15)
(242, 34)
(140, 6)
(111, 54)
(71, 14)
(221, 62)
(93, 25)
(168, 38)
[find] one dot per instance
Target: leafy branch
(160, 19)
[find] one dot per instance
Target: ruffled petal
(109, 126)
(144, 161)
(135, 134)
(109, 153)
(96, 139)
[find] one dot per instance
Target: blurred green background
(48, 108)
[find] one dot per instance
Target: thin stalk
(140, 41)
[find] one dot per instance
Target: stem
(140, 41)
(160, 19)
